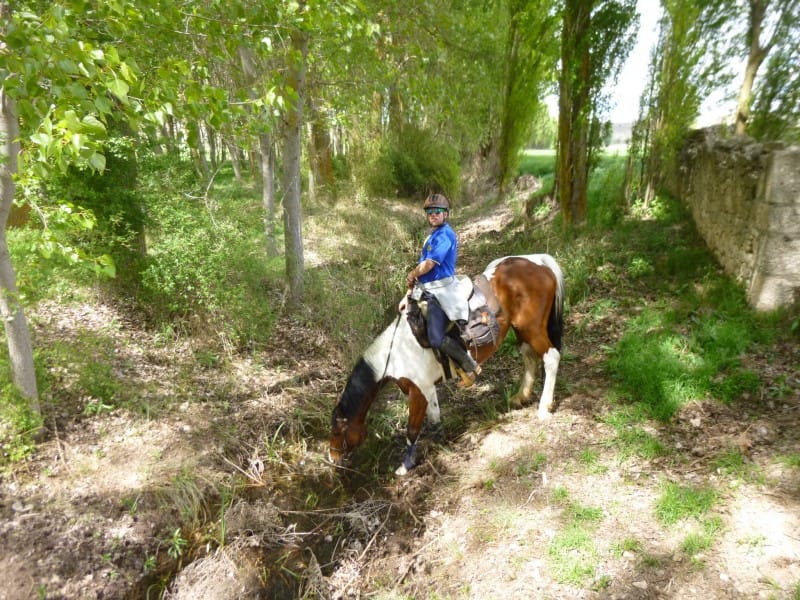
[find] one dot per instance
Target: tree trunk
(573, 123)
(211, 138)
(16, 328)
(503, 166)
(202, 160)
(267, 158)
(233, 151)
(292, 145)
(265, 155)
(321, 162)
(755, 57)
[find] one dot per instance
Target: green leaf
(112, 56)
(103, 105)
(120, 89)
(70, 121)
(93, 126)
(104, 265)
(98, 162)
(127, 73)
(41, 139)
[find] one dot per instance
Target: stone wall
(745, 200)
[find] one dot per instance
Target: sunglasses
(435, 211)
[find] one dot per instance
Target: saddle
(480, 329)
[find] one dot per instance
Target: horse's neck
(360, 390)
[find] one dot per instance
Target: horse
(529, 291)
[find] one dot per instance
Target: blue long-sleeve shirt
(442, 248)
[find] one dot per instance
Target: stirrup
(468, 379)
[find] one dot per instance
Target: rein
(385, 370)
(389, 352)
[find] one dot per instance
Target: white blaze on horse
(528, 292)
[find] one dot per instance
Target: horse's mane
(362, 386)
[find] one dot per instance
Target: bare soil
(134, 504)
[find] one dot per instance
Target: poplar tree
(596, 36)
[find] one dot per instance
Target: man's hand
(403, 304)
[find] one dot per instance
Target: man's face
(436, 216)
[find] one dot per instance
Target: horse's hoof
(516, 402)
(409, 460)
(544, 415)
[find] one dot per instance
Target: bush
(206, 271)
(113, 203)
(412, 164)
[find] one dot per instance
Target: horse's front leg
(417, 408)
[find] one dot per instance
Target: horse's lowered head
(348, 421)
(346, 435)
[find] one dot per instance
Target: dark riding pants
(437, 323)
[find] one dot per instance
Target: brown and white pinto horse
(530, 292)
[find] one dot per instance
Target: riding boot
(469, 368)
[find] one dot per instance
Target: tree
(784, 15)
(292, 146)
(19, 344)
(776, 106)
(595, 39)
(686, 64)
(63, 127)
(530, 56)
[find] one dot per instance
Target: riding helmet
(437, 201)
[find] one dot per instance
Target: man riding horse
(434, 280)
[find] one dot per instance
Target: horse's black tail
(555, 325)
(555, 322)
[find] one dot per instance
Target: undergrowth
(684, 328)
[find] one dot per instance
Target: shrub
(411, 164)
(206, 267)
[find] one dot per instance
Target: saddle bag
(482, 328)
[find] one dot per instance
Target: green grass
(733, 463)
(528, 465)
(670, 355)
(699, 541)
(18, 423)
(791, 460)
(678, 502)
(572, 554)
(541, 163)
(687, 325)
(627, 545)
(631, 439)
